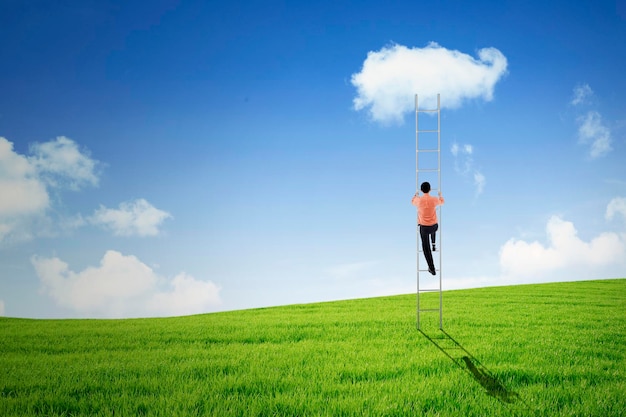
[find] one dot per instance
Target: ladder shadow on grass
(468, 363)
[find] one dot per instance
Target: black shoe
(434, 247)
(432, 271)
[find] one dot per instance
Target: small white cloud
(591, 130)
(464, 166)
(564, 250)
(390, 78)
(463, 160)
(61, 163)
(616, 206)
(123, 286)
(479, 182)
(581, 93)
(135, 218)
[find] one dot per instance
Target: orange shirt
(426, 213)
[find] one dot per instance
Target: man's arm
(441, 200)
(415, 199)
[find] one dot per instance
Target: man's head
(425, 187)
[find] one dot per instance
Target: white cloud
(616, 206)
(463, 161)
(464, 166)
(390, 78)
(123, 286)
(60, 160)
(581, 93)
(26, 181)
(592, 130)
(137, 217)
(21, 190)
(23, 196)
(564, 250)
(479, 182)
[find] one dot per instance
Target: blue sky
(181, 157)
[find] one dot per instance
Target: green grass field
(539, 350)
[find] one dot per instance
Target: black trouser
(425, 233)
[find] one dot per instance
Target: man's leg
(424, 233)
(433, 235)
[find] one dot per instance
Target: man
(427, 220)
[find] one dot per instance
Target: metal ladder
(428, 168)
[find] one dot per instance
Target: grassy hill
(541, 350)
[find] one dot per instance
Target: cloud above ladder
(390, 78)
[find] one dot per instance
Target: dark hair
(425, 187)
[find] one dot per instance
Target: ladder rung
(429, 310)
(430, 290)
(426, 270)
(427, 170)
(427, 111)
(427, 150)
(427, 131)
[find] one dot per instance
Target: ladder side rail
(439, 187)
(416, 214)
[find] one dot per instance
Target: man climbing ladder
(427, 220)
(427, 174)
